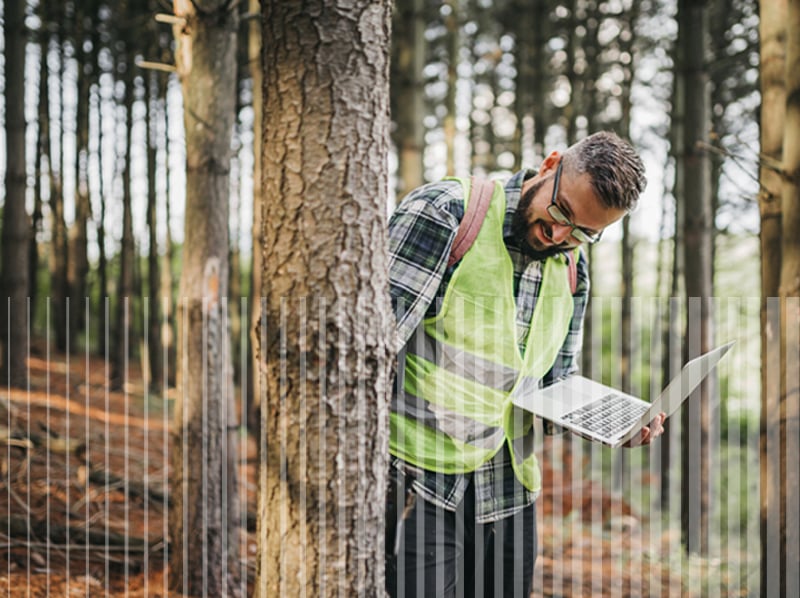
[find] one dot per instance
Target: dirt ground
(98, 464)
(83, 459)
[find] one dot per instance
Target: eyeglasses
(579, 234)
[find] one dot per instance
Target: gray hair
(616, 170)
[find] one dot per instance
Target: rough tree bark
(16, 225)
(772, 35)
(698, 235)
(323, 468)
(203, 518)
(789, 412)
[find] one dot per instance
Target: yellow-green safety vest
(462, 367)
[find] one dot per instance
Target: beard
(520, 228)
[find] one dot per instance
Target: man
(461, 517)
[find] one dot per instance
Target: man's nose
(560, 232)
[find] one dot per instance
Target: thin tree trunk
(203, 518)
(59, 246)
(122, 329)
(155, 352)
(235, 284)
(16, 225)
(42, 163)
(589, 109)
(695, 462)
(790, 298)
(78, 265)
(254, 371)
(167, 299)
(671, 333)
(626, 46)
(452, 26)
(408, 95)
(323, 474)
(539, 75)
(102, 260)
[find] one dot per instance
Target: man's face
(574, 198)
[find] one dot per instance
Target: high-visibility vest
(453, 411)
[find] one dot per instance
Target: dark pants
(431, 552)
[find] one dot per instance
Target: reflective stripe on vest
(463, 366)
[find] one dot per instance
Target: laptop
(610, 416)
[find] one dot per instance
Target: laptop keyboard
(607, 416)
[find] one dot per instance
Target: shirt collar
(513, 189)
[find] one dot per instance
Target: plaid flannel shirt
(421, 232)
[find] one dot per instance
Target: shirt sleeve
(421, 233)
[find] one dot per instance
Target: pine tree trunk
(328, 332)
(408, 95)
(154, 351)
(203, 517)
(452, 26)
(695, 462)
(772, 34)
(42, 162)
(122, 331)
(102, 260)
(167, 300)
(16, 225)
(59, 246)
(78, 265)
(789, 409)
(671, 333)
(253, 370)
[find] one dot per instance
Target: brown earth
(65, 432)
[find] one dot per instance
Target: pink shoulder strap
(572, 271)
(481, 191)
(480, 195)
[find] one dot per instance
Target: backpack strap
(481, 191)
(572, 270)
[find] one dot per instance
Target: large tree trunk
(328, 332)
(772, 34)
(789, 539)
(203, 518)
(695, 462)
(16, 227)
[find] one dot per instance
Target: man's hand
(649, 433)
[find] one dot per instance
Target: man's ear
(550, 162)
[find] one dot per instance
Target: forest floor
(82, 512)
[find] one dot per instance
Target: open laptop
(610, 416)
